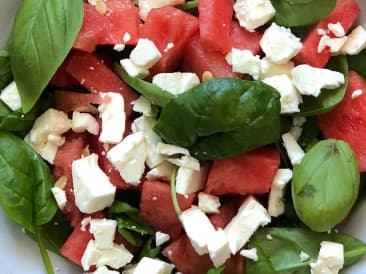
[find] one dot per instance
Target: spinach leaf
(281, 254)
(221, 118)
(5, 70)
(152, 92)
(310, 133)
(43, 34)
(328, 99)
(358, 63)
(129, 223)
(294, 13)
(148, 250)
(217, 270)
(325, 184)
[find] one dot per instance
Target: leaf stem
(46, 259)
(174, 192)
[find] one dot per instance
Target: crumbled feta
(279, 44)
(112, 113)
(250, 254)
(145, 107)
(290, 97)
(186, 161)
(253, 14)
(294, 151)
(310, 80)
(145, 6)
(330, 258)
(356, 93)
(322, 32)
(169, 46)
(10, 96)
(176, 82)
(276, 206)
(218, 248)
(189, 180)
(355, 42)
(84, 122)
(134, 70)
(244, 61)
(126, 37)
(84, 223)
(119, 47)
(337, 29)
(269, 237)
(298, 120)
(60, 196)
(104, 270)
(208, 203)
(304, 256)
(92, 188)
(171, 150)
(128, 157)
(161, 238)
(296, 131)
(45, 136)
(334, 44)
(198, 228)
(251, 215)
(145, 54)
(162, 171)
(269, 68)
(103, 231)
(153, 266)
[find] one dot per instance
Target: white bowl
(19, 254)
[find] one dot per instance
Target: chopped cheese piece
(84, 122)
(330, 258)
(161, 238)
(276, 206)
(10, 96)
(103, 231)
(134, 70)
(208, 203)
(250, 254)
(60, 196)
(176, 82)
(189, 180)
(153, 266)
(294, 151)
(355, 42)
(145, 54)
(218, 248)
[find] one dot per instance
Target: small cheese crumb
(355, 42)
(269, 237)
(337, 29)
(356, 93)
(208, 203)
(294, 151)
(161, 238)
(60, 197)
(145, 54)
(330, 258)
(84, 222)
(10, 96)
(126, 37)
(304, 256)
(244, 61)
(250, 254)
(134, 70)
(276, 206)
(119, 47)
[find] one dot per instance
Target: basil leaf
(328, 99)
(325, 185)
(310, 134)
(5, 70)
(148, 250)
(217, 270)
(358, 63)
(281, 254)
(221, 118)
(43, 34)
(25, 183)
(121, 207)
(152, 92)
(295, 13)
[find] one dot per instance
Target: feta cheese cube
(153, 266)
(337, 29)
(276, 206)
(186, 161)
(145, 6)
(208, 203)
(144, 106)
(45, 136)
(171, 150)
(294, 151)
(189, 180)
(253, 14)
(145, 54)
(176, 82)
(162, 171)
(92, 189)
(103, 231)
(198, 229)
(244, 61)
(10, 96)
(84, 122)
(60, 196)
(218, 248)
(161, 238)
(355, 42)
(104, 270)
(128, 157)
(310, 80)
(251, 215)
(269, 68)
(279, 44)
(304, 256)
(250, 254)
(290, 97)
(112, 112)
(134, 70)
(330, 258)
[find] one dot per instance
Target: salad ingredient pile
(194, 137)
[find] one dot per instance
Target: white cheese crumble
(60, 196)
(218, 248)
(103, 231)
(304, 256)
(208, 203)
(269, 68)
(153, 266)
(356, 93)
(330, 258)
(162, 171)
(294, 151)
(84, 122)
(161, 238)
(144, 106)
(250, 254)
(356, 41)
(134, 70)
(244, 61)
(176, 82)
(10, 96)
(337, 29)
(276, 206)
(145, 54)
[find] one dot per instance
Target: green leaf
(43, 34)
(152, 92)
(328, 99)
(5, 70)
(121, 207)
(25, 183)
(325, 185)
(217, 270)
(193, 4)
(238, 115)
(358, 63)
(295, 13)
(148, 250)
(310, 134)
(281, 254)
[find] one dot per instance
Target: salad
(190, 137)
